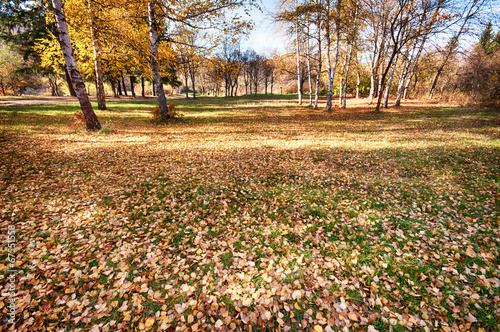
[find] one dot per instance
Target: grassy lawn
(251, 214)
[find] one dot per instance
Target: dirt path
(41, 100)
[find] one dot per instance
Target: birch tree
(90, 117)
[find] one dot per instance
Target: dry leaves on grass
(295, 220)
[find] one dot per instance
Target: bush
(171, 113)
(480, 77)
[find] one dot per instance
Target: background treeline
(373, 48)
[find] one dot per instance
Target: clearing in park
(250, 213)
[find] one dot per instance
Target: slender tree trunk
(320, 62)
(389, 82)
(113, 87)
(186, 81)
(454, 42)
(2, 86)
(124, 86)
(155, 68)
(308, 55)
(382, 79)
(402, 80)
(334, 66)
(101, 95)
(357, 84)
(132, 87)
(272, 82)
(143, 87)
(341, 85)
(193, 74)
(119, 87)
(298, 56)
(78, 84)
(344, 97)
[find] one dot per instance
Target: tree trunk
(119, 88)
(389, 82)
(320, 61)
(334, 67)
(382, 79)
(143, 87)
(402, 80)
(71, 89)
(454, 42)
(308, 55)
(132, 87)
(113, 87)
(78, 84)
(193, 74)
(124, 86)
(299, 91)
(101, 96)
(186, 81)
(2, 86)
(341, 85)
(357, 84)
(344, 96)
(155, 68)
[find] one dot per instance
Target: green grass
(384, 219)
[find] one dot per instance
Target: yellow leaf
(190, 319)
(127, 317)
(318, 328)
(280, 321)
(199, 251)
(296, 305)
(149, 323)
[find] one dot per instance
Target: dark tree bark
(132, 88)
(143, 89)
(78, 84)
(68, 81)
(119, 88)
(113, 86)
(124, 86)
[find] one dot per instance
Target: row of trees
(374, 46)
(109, 38)
(384, 36)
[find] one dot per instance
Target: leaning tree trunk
(155, 68)
(71, 89)
(101, 96)
(62, 29)
(389, 83)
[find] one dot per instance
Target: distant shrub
(171, 111)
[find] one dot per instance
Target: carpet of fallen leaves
(252, 216)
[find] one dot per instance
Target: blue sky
(266, 36)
